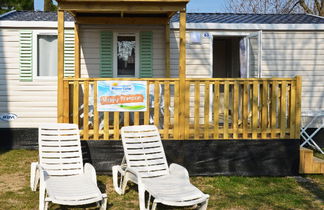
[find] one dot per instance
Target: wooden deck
(207, 109)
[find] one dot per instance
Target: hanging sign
(122, 96)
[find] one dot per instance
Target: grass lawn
(304, 192)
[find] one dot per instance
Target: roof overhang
(122, 8)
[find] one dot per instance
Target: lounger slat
(61, 166)
(56, 149)
(60, 155)
(143, 145)
(61, 160)
(70, 137)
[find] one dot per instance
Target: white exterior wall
(198, 56)
(285, 54)
(90, 46)
(33, 102)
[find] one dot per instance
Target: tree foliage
(49, 6)
(315, 7)
(8, 5)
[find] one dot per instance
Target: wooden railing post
(182, 71)
(60, 65)
(298, 106)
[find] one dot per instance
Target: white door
(254, 58)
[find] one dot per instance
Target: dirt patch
(12, 182)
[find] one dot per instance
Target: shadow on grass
(311, 187)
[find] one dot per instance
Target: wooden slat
(197, 106)
(226, 109)
(176, 111)
(187, 110)
(86, 110)
(274, 95)
(166, 110)
(283, 109)
(292, 110)
(298, 106)
(66, 102)
(106, 125)
(206, 110)
(126, 118)
(76, 102)
(235, 113)
(264, 112)
(116, 125)
(136, 118)
(245, 110)
(95, 111)
(156, 104)
(216, 109)
(60, 65)
(255, 111)
(147, 113)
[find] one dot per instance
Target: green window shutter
(106, 54)
(26, 56)
(68, 53)
(146, 54)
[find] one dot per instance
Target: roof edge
(250, 26)
(7, 13)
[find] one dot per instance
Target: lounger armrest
(90, 171)
(179, 171)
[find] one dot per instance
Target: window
(45, 54)
(126, 55)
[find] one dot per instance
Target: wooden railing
(214, 109)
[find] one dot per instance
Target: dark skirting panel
(200, 157)
(212, 157)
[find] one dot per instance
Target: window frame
(36, 33)
(115, 59)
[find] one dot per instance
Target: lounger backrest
(60, 149)
(144, 150)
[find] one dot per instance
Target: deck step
(309, 164)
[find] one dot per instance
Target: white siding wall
(90, 43)
(286, 54)
(198, 56)
(33, 102)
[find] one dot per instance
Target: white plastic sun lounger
(145, 164)
(63, 178)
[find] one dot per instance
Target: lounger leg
(46, 205)
(42, 197)
(204, 205)
(154, 205)
(119, 187)
(141, 196)
(104, 202)
(34, 176)
(124, 183)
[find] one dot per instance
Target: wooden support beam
(60, 65)
(167, 51)
(77, 58)
(135, 7)
(182, 71)
(122, 20)
(298, 106)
